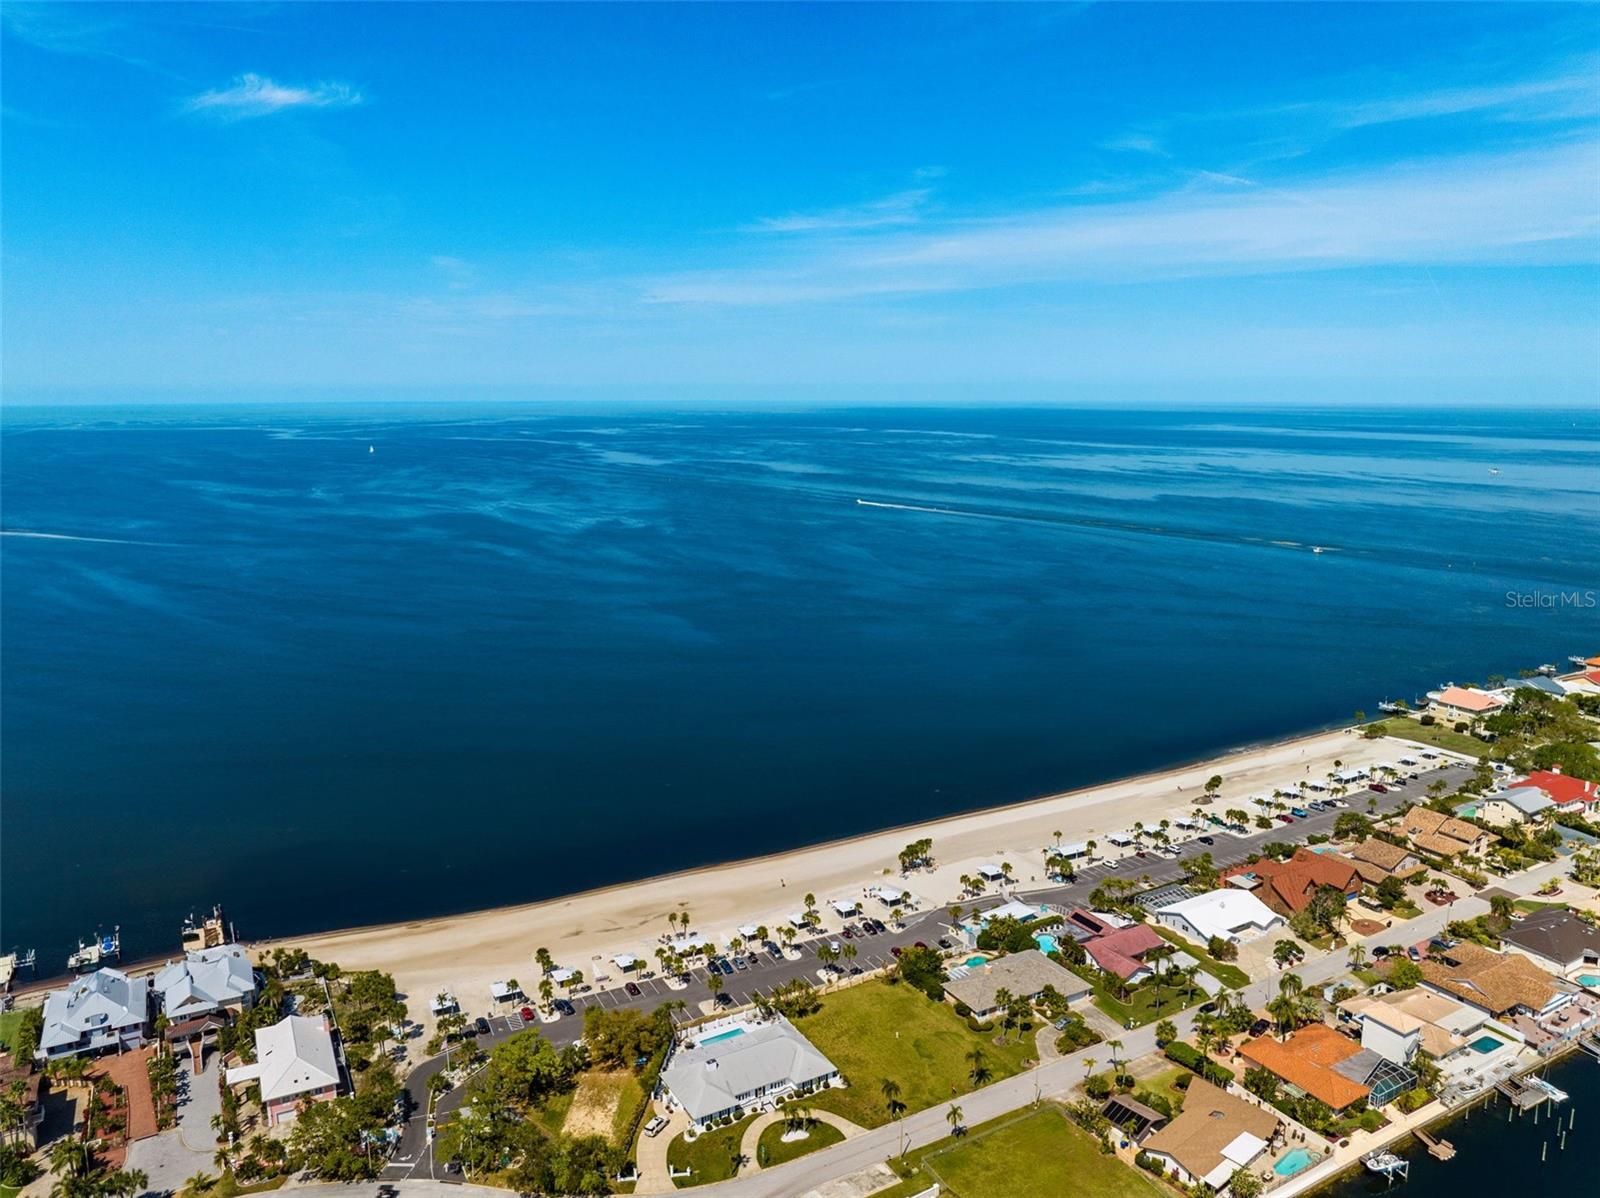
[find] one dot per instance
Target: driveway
(173, 1157)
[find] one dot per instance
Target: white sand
(465, 953)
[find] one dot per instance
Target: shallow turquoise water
(1292, 1162)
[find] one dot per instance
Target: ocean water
(335, 666)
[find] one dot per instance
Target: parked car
(848, 934)
(527, 1015)
(481, 1026)
(1259, 1027)
(1299, 812)
(1208, 840)
(1208, 1008)
(945, 943)
(1286, 819)
(896, 950)
(633, 989)
(655, 1126)
(1339, 803)
(740, 963)
(565, 1007)
(1379, 787)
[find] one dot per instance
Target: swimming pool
(1486, 1044)
(721, 1036)
(1047, 943)
(974, 962)
(1588, 979)
(1292, 1162)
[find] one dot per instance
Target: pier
(1439, 1149)
(1526, 1093)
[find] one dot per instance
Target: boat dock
(1525, 1093)
(1388, 1164)
(1442, 1150)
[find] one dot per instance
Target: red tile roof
(1306, 1059)
(1294, 881)
(1562, 788)
(1119, 952)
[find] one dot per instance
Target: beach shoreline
(464, 953)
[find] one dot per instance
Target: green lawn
(773, 1150)
(1021, 1156)
(714, 1156)
(1441, 736)
(1229, 975)
(1142, 1006)
(9, 1022)
(1166, 1083)
(1529, 906)
(877, 1030)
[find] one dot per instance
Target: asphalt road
(413, 1155)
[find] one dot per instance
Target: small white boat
(372, 449)
(1494, 470)
(1316, 549)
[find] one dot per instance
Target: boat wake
(62, 536)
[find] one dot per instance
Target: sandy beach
(465, 953)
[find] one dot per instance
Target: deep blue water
(331, 687)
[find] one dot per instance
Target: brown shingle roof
(1211, 1120)
(1439, 833)
(1496, 982)
(1377, 859)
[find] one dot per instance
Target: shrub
(1427, 720)
(1412, 1100)
(1222, 950)
(1097, 1086)
(963, 1010)
(1150, 1164)
(1193, 1059)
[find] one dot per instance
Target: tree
(1403, 974)
(953, 1118)
(1244, 1184)
(1357, 956)
(1326, 907)
(895, 1107)
(715, 983)
(1166, 1031)
(1213, 784)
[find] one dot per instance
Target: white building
(296, 1062)
(206, 981)
(742, 1064)
(105, 1011)
(889, 896)
(1228, 913)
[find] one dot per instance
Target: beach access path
(413, 1156)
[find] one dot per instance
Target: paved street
(413, 1156)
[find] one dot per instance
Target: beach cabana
(845, 907)
(561, 975)
(506, 991)
(750, 931)
(1121, 839)
(626, 961)
(990, 872)
(444, 1003)
(889, 896)
(800, 919)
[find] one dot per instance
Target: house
(1444, 835)
(1023, 975)
(742, 1064)
(1557, 940)
(104, 1011)
(1377, 860)
(1121, 951)
(1396, 1024)
(1330, 1067)
(296, 1062)
(207, 981)
(1541, 683)
(28, 1086)
(1462, 703)
(1571, 796)
(1213, 1136)
(1498, 984)
(1287, 886)
(1011, 909)
(1516, 806)
(1229, 913)
(1134, 1118)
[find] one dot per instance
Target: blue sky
(1128, 202)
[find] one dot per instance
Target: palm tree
(891, 1101)
(715, 983)
(953, 1115)
(1115, 1046)
(199, 1183)
(848, 951)
(1088, 1067)
(1357, 956)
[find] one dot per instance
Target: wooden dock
(1439, 1149)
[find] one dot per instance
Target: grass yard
(774, 1150)
(714, 1156)
(1021, 1156)
(1229, 975)
(604, 1098)
(1142, 1006)
(1440, 736)
(1529, 906)
(9, 1022)
(877, 1030)
(552, 1116)
(1165, 1083)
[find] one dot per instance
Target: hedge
(1193, 1059)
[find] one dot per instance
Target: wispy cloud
(1136, 143)
(1567, 95)
(1516, 208)
(902, 208)
(252, 95)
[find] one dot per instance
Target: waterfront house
(1214, 1135)
(1330, 1067)
(1540, 683)
(1519, 805)
(105, 1011)
(1557, 940)
(207, 981)
(1499, 984)
(1569, 795)
(1376, 860)
(1444, 835)
(1464, 1040)
(1024, 975)
(1288, 886)
(1229, 913)
(296, 1062)
(743, 1064)
(1463, 703)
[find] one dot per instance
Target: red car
(527, 1015)
(633, 989)
(1286, 819)
(1379, 787)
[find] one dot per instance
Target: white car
(655, 1126)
